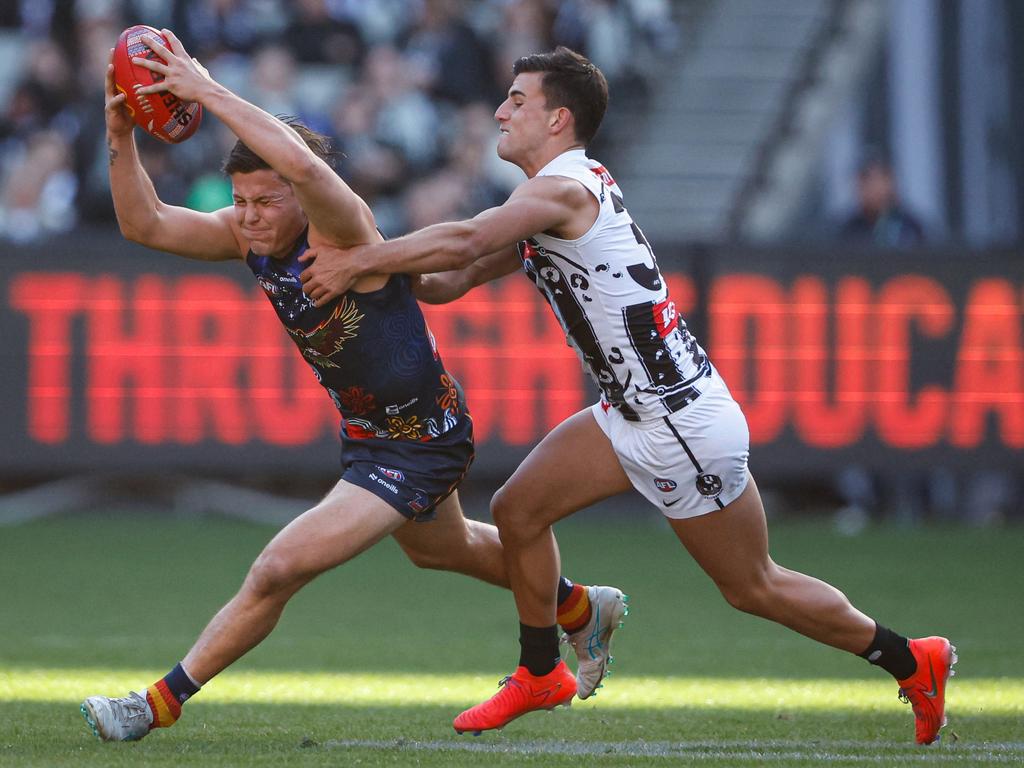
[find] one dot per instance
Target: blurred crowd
(407, 89)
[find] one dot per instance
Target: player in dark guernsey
(406, 433)
(375, 356)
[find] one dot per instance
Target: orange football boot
(520, 693)
(925, 690)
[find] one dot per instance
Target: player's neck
(534, 164)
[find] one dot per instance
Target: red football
(163, 115)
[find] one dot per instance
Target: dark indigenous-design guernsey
(372, 352)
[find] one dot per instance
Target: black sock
(891, 652)
(538, 648)
(564, 589)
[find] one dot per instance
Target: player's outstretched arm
(334, 210)
(142, 216)
(537, 205)
(444, 287)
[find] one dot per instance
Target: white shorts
(687, 463)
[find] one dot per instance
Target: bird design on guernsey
(324, 341)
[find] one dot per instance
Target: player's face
(523, 119)
(267, 212)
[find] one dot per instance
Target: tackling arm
(541, 204)
(443, 287)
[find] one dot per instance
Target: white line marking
(773, 751)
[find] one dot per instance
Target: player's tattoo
(111, 152)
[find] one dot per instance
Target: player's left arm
(333, 208)
(541, 204)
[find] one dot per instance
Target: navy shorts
(412, 477)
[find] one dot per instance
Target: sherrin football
(163, 114)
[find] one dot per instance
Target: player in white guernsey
(666, 423)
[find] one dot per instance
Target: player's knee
(273, 574)
(502, 509)
(752, 595)
(511, 516)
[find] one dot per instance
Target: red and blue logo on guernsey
(420, 503)
(394, 474)
(664, 485)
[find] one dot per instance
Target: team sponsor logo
(394, 474)
(666, 318)
(709, 486)
(665, 485)
(381, 481)
(394, 410)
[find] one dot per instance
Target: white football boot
(593, 643)
(123, 719)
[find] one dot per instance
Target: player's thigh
(730, 544)
(573, 467)
(447, 528)
(347, 521)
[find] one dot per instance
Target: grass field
(372, 661)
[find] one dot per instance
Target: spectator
(39, 190)
(217, 27)
(405, 118)
(315, 36)
(525, 26)
(443, 49)
(880, 218)
(271, 85)
(882, 221)
(471, 154)
(386, 77)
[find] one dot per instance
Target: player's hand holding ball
(119, 118)
(159, 85)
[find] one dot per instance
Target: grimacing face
(268, 213)
(523, 118)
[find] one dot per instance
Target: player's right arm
(142, 216)
(443, 287)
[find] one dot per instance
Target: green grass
(372, 661)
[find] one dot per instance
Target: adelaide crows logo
(327, 338)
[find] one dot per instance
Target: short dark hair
(571, 81)
(241, 159)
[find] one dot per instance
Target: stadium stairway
(714, 113)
